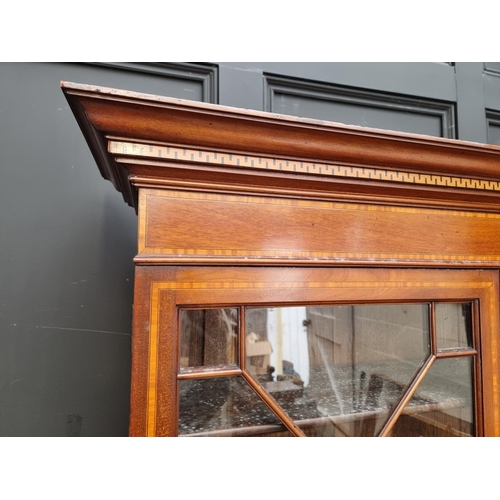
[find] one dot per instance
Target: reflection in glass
(453, 325)
(225, 406)
(337, 370)
(443, 405)
(208, 337)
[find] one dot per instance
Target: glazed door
(317, 352)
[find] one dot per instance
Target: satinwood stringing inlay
(302, 167)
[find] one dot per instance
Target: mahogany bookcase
(297, 277)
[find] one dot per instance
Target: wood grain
(179, 226)
(110, 114)
(240, 207)
(302, 167)
(188, 286)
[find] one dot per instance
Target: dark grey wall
(68, 239)
(66, 269)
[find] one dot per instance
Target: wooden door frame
(216, 186)
(161, 292)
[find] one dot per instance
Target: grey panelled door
(454, 100)
(491, 81)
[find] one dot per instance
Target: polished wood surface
(243, 208)
(110, 119)
(174, 287)
(253, 162)
(179, 226)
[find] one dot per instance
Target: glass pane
(337, 370)
(225, 406)
(208, 337)
(454, 325)
(443, 405)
